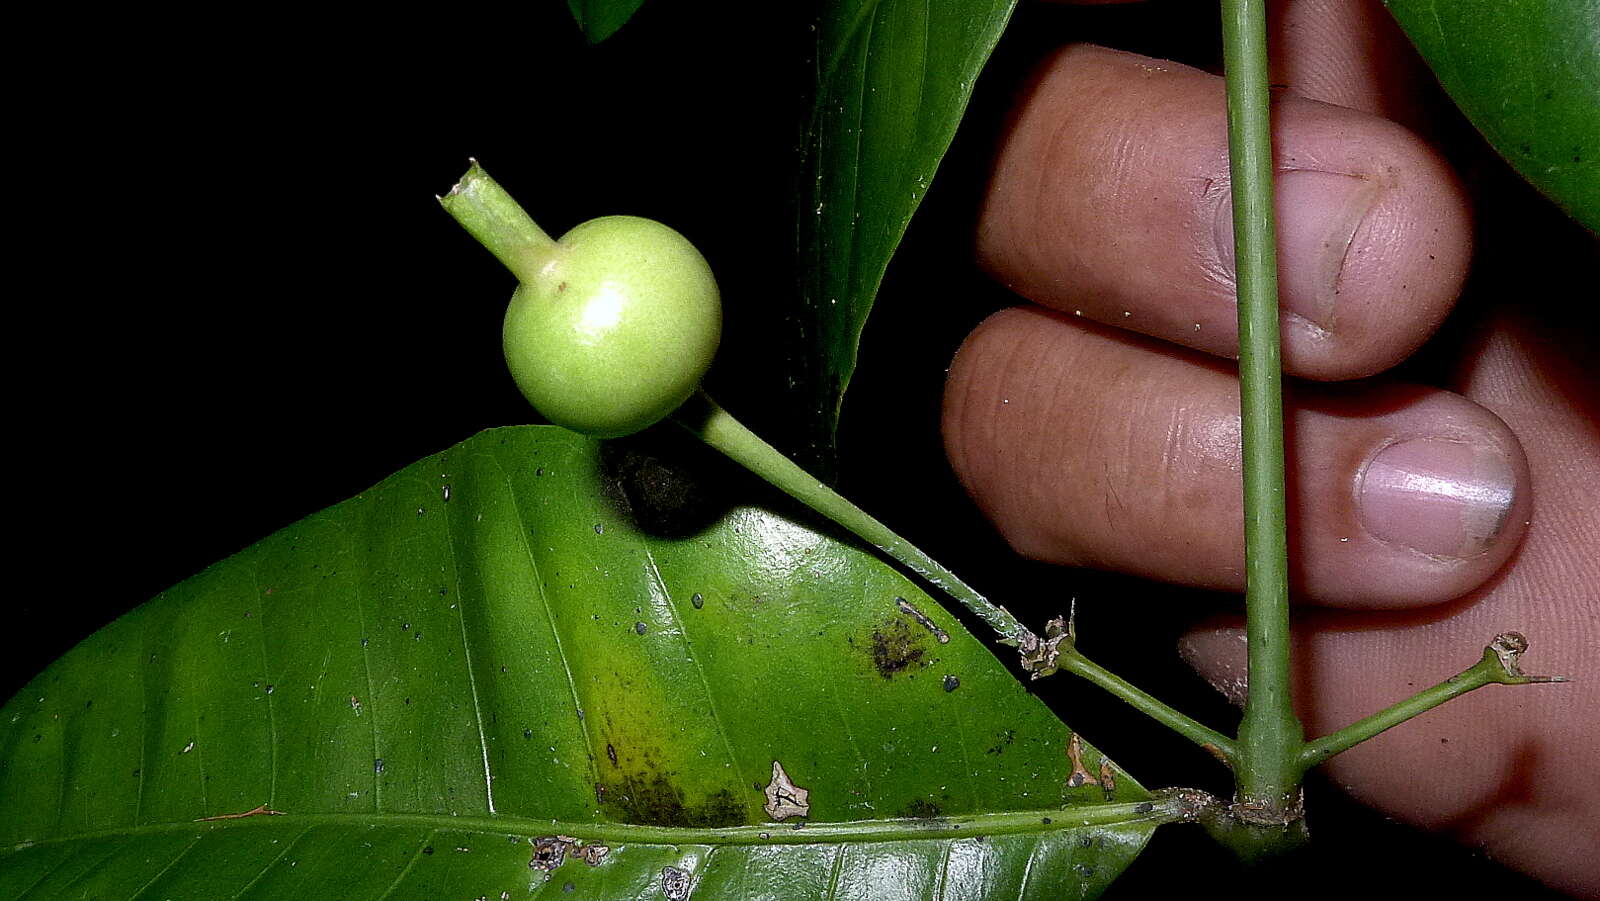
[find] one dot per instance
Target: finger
(1109, 198)
(1349, 53)
(1509, 768)
(1091, 447)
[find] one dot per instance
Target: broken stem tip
(1499, 665)
(499, 223)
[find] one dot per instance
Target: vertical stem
(1270, 736)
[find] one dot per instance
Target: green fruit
(617, 329)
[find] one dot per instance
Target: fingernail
(1440, 497)
(1318, 215)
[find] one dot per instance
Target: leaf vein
(170, 864)
(466, 653)
(550, 618)
(406, 870)
(694, 660)
(271, 863)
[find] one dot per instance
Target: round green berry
(617, 329)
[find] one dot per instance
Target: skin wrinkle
(1515, 764)
(1105, 477)
(1107, 187)
(1522, 799)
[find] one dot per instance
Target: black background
(240, 304)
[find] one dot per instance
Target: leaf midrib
(1154, 812)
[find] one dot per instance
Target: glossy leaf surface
(392, 698)
(1527, 74)
(893, 79)
(600, 19)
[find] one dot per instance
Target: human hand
(1102, 429)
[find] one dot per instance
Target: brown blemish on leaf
(1108, 779)
(895, 648)
(784, 798)
(922, 620)
(655, 800)
(922, 809)
(549, 852)
(675, 884)
(1079, 776)
(257, 811)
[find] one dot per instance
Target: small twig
(1498, 666)
(1058, 651)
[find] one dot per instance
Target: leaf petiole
(718, 428)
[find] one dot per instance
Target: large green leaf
(600, 19)
(1527, 74)
(487, 648)
(893, 79)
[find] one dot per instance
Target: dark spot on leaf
(951, 683)
(428, 850)
(1145, 807)
(922, 809)
(895, 647)
(665, 482)
(1006, 738)
(698, 601)
(640, 628)
(654, 800)
(611, 753)
(549, 852)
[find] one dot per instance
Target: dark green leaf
(486, 649)
(893, 79)
(1527, 73)
(600, 19)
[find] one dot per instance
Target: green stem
(1270, 735)
(499, 223)
(716, 427)
(1498, 666)
(1218, 744)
